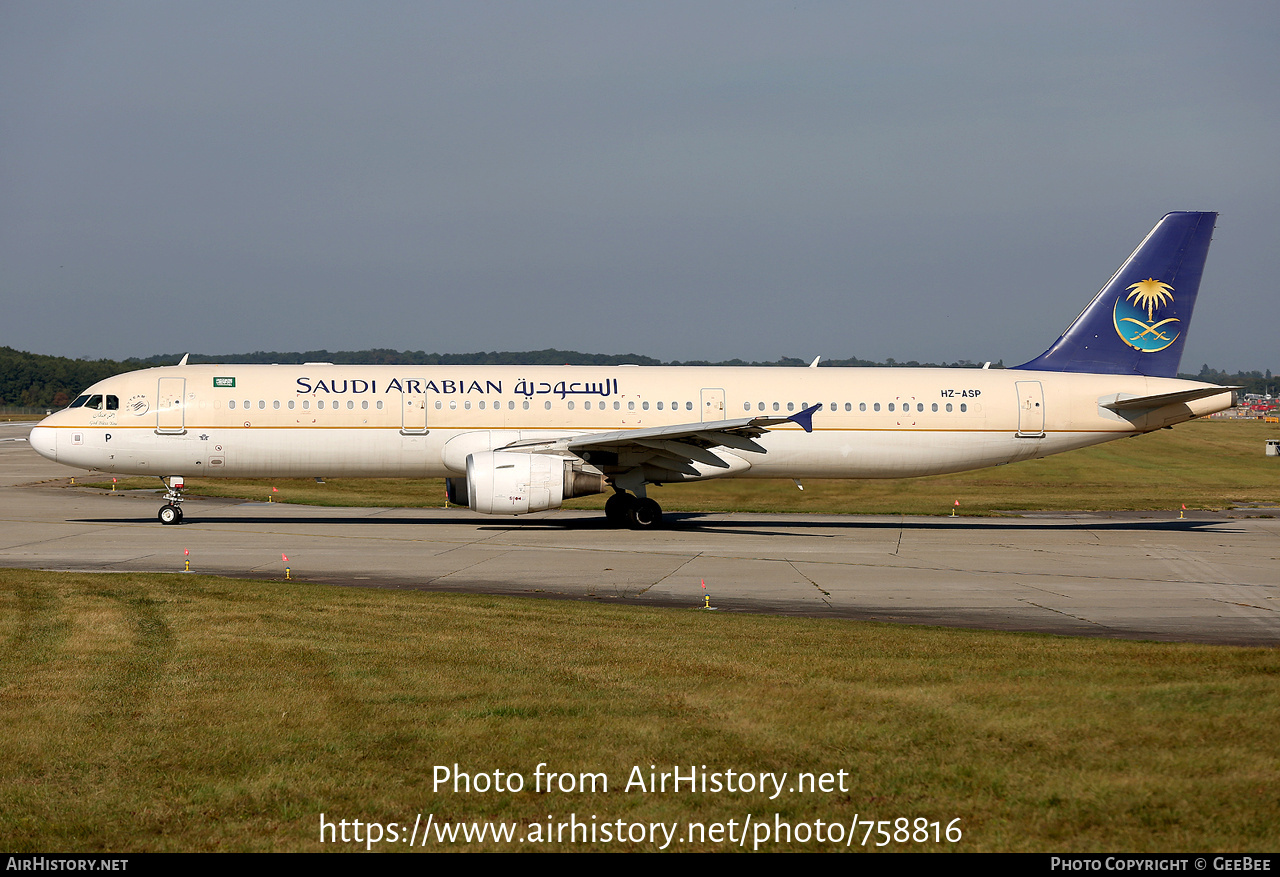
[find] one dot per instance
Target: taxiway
(1208, 578)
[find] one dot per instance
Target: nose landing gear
(171, 511)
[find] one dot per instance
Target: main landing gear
(639, 513)
(171, 511)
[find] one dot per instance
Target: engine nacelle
(511, 483)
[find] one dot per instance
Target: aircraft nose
(45, 441)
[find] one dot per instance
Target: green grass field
(1204, 465)
(182, 712)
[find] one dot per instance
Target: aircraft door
(170, 418)
(712, 405)
(1030, 409)
(413, 413)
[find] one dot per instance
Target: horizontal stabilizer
(1131, 403)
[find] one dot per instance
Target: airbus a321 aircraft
(518, 439)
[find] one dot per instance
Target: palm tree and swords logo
(1149, 335)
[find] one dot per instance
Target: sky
(685, 180)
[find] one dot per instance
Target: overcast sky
(687, 180)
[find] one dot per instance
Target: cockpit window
(80, 400)
(95, 401)
(113, 403)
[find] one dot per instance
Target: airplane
(512, 440)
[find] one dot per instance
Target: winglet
(184, 359)
(805, 417)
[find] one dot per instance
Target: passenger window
(617, 406)
(437, 404)
(351, 404)
(481, 404)
(890, 406)
(547, 404)
(877, 406)
(964, 407)
(526, 404)
(948, 407)
(306, 404)
(364, 404)
(761, 406)
(644, 406)
(276, 404)
(775, 406)
(319, 403)
(919, 406)
(453, 404)
(862, 406)
(571, 406)
(659, 406)
(935, 406)
(379, 404)
(231, 403)
(291, 404)
(791, 406)
(688, 406)
(631, 406)
(586, 406)
(467, 404)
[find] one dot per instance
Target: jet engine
(512, 483)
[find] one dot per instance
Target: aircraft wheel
(645, 514)
(170, 514)
(616, 509)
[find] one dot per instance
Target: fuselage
(320, 420)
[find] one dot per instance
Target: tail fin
(1138, 323)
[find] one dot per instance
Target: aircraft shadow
(693, 522)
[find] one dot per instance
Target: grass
(181, 712)
(1204, 465)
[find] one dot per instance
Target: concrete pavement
(1209, 578)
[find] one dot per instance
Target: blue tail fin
(1138, 323)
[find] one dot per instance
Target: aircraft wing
(675, 448)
